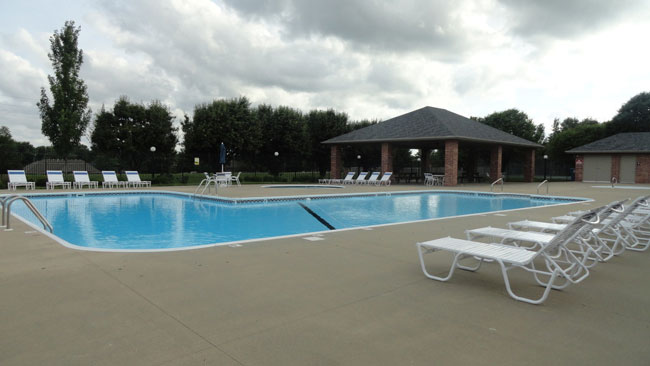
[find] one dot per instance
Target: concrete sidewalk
(355, 298)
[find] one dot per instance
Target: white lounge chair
(81, 179)
(55, 179)
(17, 179)
(110, 180)
(372, 179)
(361, 178)
(561, 264)
(385, 179)
(590, 244)
(133, 179)
(348, 179)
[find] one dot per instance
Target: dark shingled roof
(430, 124)
(629, 142)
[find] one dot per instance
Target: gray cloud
(567, 18)
(430, 27)
(370, 59)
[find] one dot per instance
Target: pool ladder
(541, 184)
(6, 211)
(500, 180)
(205, 183)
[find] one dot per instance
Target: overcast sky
(370, 59)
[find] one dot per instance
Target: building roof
(629, 142)
(430, 124)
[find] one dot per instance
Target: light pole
(358, 164)
(153, 150)
(277, 165)
(545, 159)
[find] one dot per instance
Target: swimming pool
(141, 221)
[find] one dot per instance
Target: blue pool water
(137, 221)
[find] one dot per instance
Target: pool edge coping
(238, 243)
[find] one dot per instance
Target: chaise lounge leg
(547, 290)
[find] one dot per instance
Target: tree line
(259, 138)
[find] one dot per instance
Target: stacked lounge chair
(561, 266)
(555, 252)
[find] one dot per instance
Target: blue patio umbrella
(222, 155)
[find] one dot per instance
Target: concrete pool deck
(354, 298)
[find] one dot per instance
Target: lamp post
(277, 165)
(153, 150)
(358, 164)
(545, 159)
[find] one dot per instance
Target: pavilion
(432, 128)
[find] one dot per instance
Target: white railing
(541, 184)
(500, 180)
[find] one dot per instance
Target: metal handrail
(3, 203)
(208, 179)
(541, 184)
(495, 182)
(30, 205)
(614, 180)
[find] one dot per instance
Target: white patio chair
(81, 179)
(564, 266)
(372, 179)
(55, 179)
(110, 180)
(17, 179)
(235, 179)
(346, 180)
(360, 178)
(385, 179)
(428, 179)
(133, 179)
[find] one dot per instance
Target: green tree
(9, 156)
(228, 121)
(65, 120)
(633, 116)
(323, 125)
(285, 132)
(516, 123)
(574, 135)
(122, 138)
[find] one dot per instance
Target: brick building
(431, 128)
(624, 157)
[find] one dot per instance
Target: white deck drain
(313, 238)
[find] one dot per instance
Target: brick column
(425, 165)
(336, 162)
(451, 162)
(578, 167)
(616, 167)
(529, 165)
(495, 162)
(642, 171)
(386, 157)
